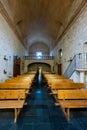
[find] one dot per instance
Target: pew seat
(12, 99)
(68, 99)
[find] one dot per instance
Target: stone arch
(34, 66)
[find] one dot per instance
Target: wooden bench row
(61, 83)
(12, 99)
(68, 94)
(13, 93)
(68, 99)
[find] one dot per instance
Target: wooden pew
(54, 82)
(29, 76)
(68, 99)
(26, 78)
(12, 99)
(53, 76)
(52, 79)
(13, 85)
(21, 80)
(67, 85)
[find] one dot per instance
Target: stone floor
(40, 113)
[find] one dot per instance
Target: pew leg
(15, 115)
(17, 111)
(64, 110)
(68, 113)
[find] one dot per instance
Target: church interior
(43, 64)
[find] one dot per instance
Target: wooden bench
(28, 76)
(24, 77)
(19, 80)
(55, 76)
(67, 85)
(58, 81)
(12, 99)
(68, 99)
(53, 81)
(13, 85)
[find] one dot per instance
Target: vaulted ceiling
(39, 21)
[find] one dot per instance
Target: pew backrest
(12, 94)
(67, 86)
(72, 94)
(13, 85)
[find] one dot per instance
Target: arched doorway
(36, 65)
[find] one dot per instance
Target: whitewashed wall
(9, 46)
(72, 42)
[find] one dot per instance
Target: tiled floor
(40, 113)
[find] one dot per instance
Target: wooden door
(16, 67)
(60, 69)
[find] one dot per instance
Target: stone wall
(9, 46)
(28, 62)
(73, 41)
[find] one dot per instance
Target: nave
(40, 112)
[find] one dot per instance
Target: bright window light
(38, 54)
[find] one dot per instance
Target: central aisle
(40, 113)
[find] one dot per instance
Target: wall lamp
(5, 58)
